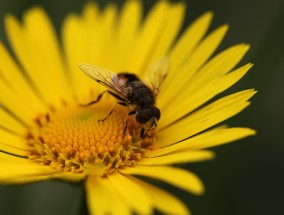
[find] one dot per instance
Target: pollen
(86, 140)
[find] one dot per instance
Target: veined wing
(106, 78)
(156, 74)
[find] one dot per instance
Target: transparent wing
(156, 74)
(106, 78)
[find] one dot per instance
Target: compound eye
(143, 116)
(156, 113)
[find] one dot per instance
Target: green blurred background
(247, 176)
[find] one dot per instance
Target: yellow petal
(179, 78)
(200, 96)
(69, 176)
(47, 60)
(168, 32)
(13, 140)
(10, 158)
(126, 33)
(125, 186)
(13, 144)
(13, 172)
(222, 137)
(19, 84)
(99, 29)
(92, 33)
(118, 204)
(211, 138)
(148, 36)
(89, 28)
(206, 117)
(42, 63)
(27, 179)
(213, 70)
(164, 201)
(183, 179)
(179, 157)
(218, 66)
(107, 30)
(15, 104)
(9, 122)
(98, 196)
(189, 39)
(74, 42)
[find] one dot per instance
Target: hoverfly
(131, 92)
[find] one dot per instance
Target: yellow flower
(45, 133)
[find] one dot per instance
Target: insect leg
(142, 133)
(117, 97)
(125, 126)
(95, 101)
(132, 112)
(129, 114)
(113, 107)
(122, 103)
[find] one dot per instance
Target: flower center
(77, 139)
